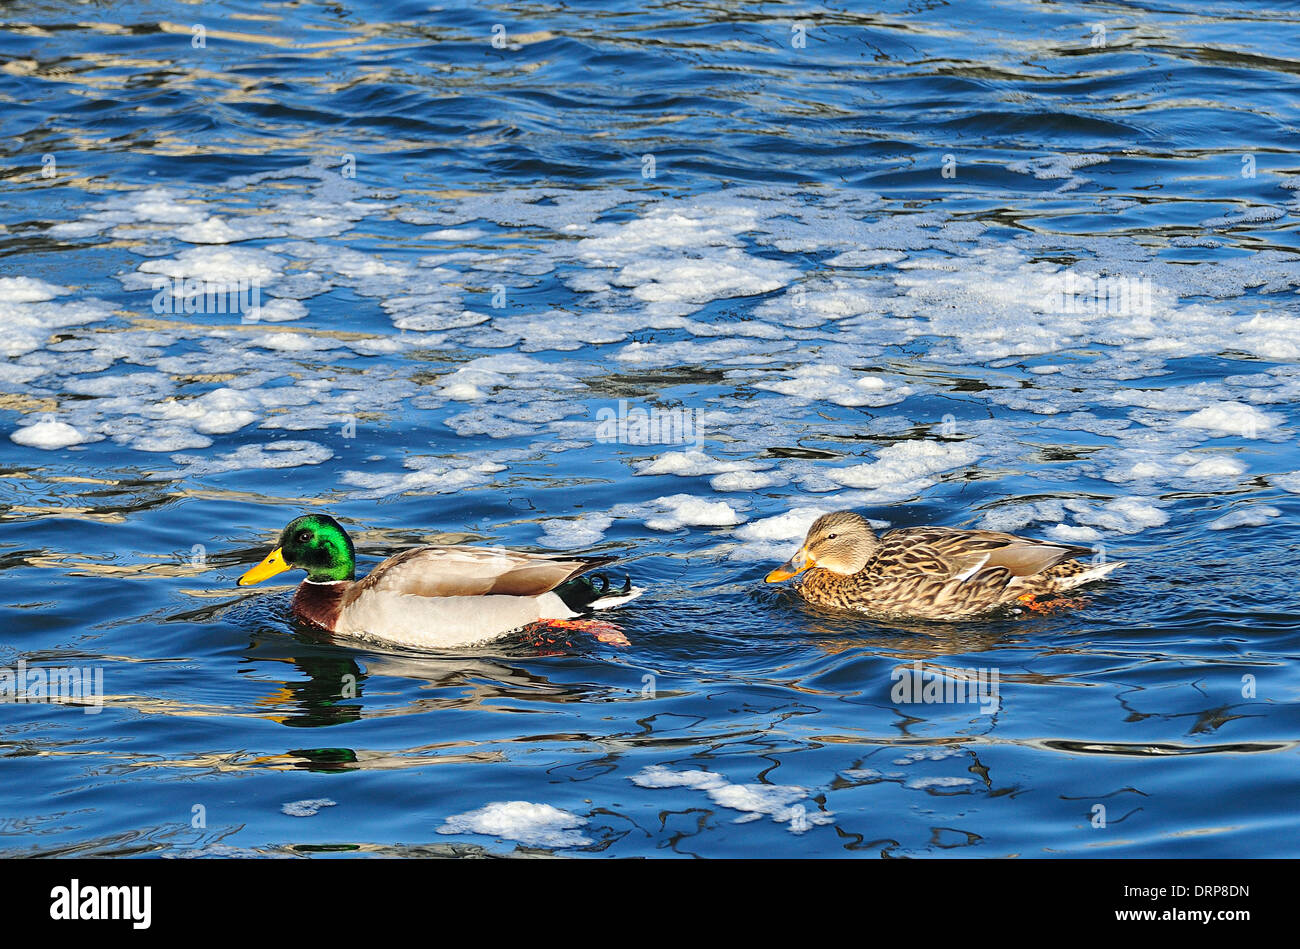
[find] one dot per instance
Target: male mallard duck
(930, 572)
(443, 595)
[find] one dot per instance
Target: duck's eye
(303, 537)
(831, 536)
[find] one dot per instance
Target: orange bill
(792, 567)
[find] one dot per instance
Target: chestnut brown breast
(320, 603)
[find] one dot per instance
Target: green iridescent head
(314, 542)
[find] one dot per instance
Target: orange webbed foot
(1058, 604)
(603, 632)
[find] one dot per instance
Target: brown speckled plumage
(931, 572)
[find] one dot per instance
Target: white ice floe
(1056, 166)
(728, 351)
(217, 412)
(1016, 517)
(533, 825)
(1250, 215)
(49, 435)
(923, 784)
(792, 525)
(839, 386)
(1156, 466)
(574, 533)
(1232, 418)
(425, 475)
(927, 754)
(1255, 515)
(822, 305)
(1215, 467)
(1290, 481)
(1073, 533)
(905, 462)
(308, 808)
(454, 234)
(30, 314)
(866, 258)
(276, 311)
(782, 802)
(288, 342)
(1052, 167)
(286, 454)
(136, 213)
(224, 265)
(690, 464)
(1125, 515)
(28, 290)
(216, 230)
(872, 774)
(774, 538)
(697, 281)
(684, 510)
(745, 481)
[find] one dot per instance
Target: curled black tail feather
(580, 593)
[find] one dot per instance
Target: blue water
(834, 253)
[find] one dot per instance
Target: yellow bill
(273, 564)
(792, 567)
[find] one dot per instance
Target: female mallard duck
(445, 595)
(930, 572)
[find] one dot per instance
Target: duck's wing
(458, 570)
(964, 554)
